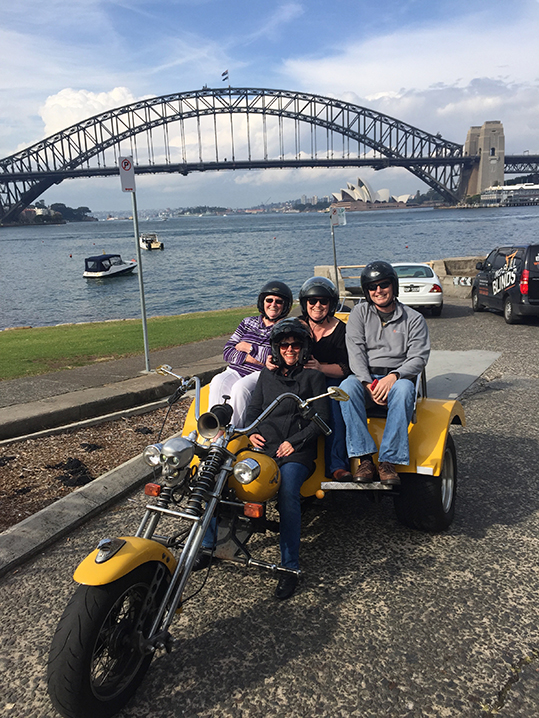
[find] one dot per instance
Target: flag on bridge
(224, 75)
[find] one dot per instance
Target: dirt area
(36, 472)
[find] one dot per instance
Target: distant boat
(149, 240)
(107, 265)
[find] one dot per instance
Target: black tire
(425, 502)
(437, 311)
(476, 304)
(509, 312)
(95, 665)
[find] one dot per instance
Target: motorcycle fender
(133, 553)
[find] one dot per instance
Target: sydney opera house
(360, 196)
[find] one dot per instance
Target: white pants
(238, 388)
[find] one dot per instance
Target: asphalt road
(388, 621)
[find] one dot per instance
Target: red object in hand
(373, 385)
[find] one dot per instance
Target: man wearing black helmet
(248, 349)
(388, 346)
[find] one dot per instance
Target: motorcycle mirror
(337, 393)
(164, 369)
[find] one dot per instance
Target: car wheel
(436, 311)
(508, 312)
(476, 304)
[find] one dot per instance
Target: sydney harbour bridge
(241, 129)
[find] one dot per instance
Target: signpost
(127, 177)
(337, 216)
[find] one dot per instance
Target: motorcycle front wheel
(95, 664)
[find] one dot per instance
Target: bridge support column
(488, 142)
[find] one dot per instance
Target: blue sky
(438, 66)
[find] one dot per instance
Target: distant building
(516, 195)
(362, 192)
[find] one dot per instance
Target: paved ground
(388, 621)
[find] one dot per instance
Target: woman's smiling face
(290, 349)
(317, 308)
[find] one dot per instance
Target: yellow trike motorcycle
(131, 587)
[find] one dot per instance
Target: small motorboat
(107, 265)
(149, 240)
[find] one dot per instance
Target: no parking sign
(127, 174)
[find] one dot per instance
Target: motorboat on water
(107, 265)
(149, 240)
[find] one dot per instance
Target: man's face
(381, 294)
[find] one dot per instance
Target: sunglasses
(324, 301)
(273, 300)
(382, 285)
(295, 346)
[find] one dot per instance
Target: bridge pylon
(488, 143)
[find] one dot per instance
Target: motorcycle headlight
(246, 470)
(152, 454)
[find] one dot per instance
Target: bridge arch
(228, 129)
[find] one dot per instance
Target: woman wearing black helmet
(286, 434)
(319, 298)
(248, 349)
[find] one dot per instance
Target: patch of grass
(32, 351)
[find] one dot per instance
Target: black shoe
(286, 586)
(203, 561)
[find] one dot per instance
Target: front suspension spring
(205, 480)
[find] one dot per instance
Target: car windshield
(413, 271)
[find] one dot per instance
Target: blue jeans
(400, 407)
(335, 444)
(293, 475)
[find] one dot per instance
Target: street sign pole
(127, 176)
(337, 216)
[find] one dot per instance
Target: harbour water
(215, 262)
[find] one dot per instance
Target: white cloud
(441, 78)
(69, 106)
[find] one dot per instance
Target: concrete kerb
(30, 536)
(88, 405)
(27, 538)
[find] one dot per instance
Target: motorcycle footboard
(352, 486)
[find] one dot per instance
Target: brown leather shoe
(365, 473)
(388, 475)
(342, 475)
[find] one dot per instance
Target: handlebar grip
(322, 424)
(173, 398)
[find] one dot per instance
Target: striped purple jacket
(254, 331)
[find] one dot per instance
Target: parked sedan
(419, 287)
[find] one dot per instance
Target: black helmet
(291, 327)
(279, 289)
(377, 272)
(319, 287)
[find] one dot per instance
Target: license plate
(412, 288)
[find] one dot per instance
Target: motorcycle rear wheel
(95, 665)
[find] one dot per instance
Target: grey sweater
(402, 344)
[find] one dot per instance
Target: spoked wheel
(425, 502)
(95, 662)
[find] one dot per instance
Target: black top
(331, 349)
(286, 423)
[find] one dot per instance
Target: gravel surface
(36, 472)
(387, 622)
